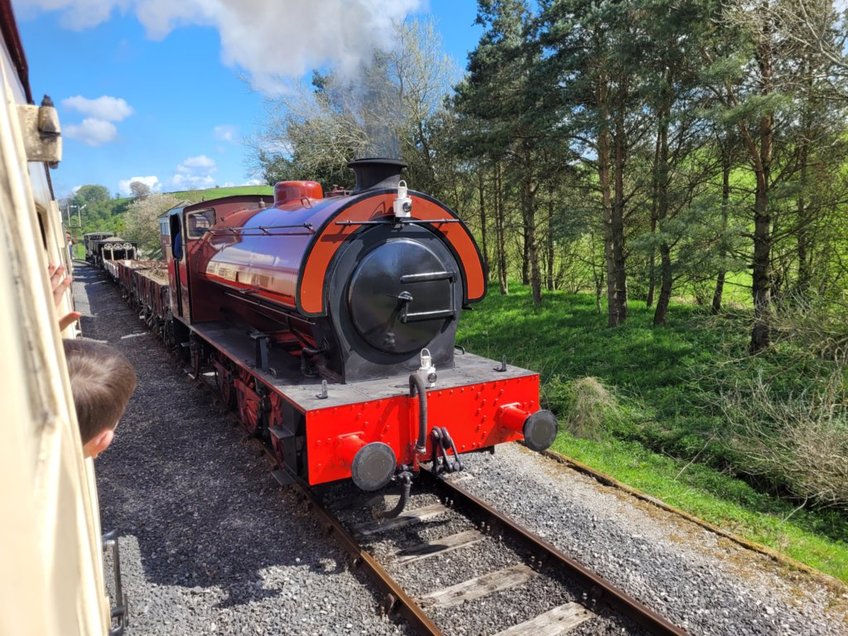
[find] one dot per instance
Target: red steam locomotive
(330, 324)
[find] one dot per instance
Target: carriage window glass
(200, 222)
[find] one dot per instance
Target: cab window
(200, 222)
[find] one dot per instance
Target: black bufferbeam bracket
(261, 344)
(119, 613)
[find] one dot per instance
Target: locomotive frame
(331, 399)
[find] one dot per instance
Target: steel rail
(613, 595)
(397, 598)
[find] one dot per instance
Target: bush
(798, 441)
(586, 407)
(816, 325)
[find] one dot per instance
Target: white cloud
(341, 33)
(249, 182)
(92, 131)
(106, 108)
(225, 132)
(151, 182)
(194, 173)
(77, 14)
(96, 129)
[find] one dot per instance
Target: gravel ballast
(212, 545)
(696, 578)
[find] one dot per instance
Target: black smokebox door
(400, 296)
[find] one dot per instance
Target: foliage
(142, 223)
(793, 431)
(673, 385)
(586, 407)
(92, 209)
(662, 393)
(387, 111)
(196, 196)
(800, 441)
(139, 189)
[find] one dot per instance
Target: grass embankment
(217, 193)
(659, 395)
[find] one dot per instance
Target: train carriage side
(50, 538)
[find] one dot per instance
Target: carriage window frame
(196, 230)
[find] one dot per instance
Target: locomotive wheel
(225, 388)
(249, 402)
(196, 354)
(168, 332)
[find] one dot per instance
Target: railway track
(445, 529)
(501, 578)
(397, 560)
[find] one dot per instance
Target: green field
(659, 404)
(196, 196)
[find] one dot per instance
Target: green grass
(667, 382)
(726, 502)
(216, 193)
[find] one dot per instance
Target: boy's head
(102, 381)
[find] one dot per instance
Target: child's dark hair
(102, 381)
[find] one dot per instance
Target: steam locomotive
(330, 325)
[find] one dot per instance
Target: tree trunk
(500, 232)
(613, 316)
(725, 203)
(528, 204)
(803, 237)
(525, 259)
(649, 299)
(481, 192)
(550, 247)
(665, 286)
(662, 214)
(760, 334)
(619, 273)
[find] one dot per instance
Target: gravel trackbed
(212, 545)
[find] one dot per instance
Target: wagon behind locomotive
(314, 312)
(103, 247)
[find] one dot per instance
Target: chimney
(376, 173)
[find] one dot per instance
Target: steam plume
(271, 40)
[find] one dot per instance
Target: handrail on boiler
(263, 230)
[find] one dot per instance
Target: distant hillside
(196, 196)
(216, 193)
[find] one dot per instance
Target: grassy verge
(663, 409)
(716, 498)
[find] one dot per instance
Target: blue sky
(168, 89)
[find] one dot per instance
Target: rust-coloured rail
(398, 599)
(470, 505)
